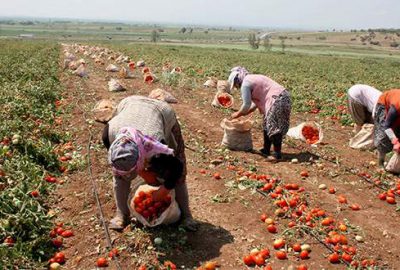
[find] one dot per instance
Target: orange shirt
(391, 98)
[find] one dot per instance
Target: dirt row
(229, 217)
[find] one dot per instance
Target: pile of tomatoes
(225, 100)
(256, 257)
(59, 233)
(311, 134)
(149, 209)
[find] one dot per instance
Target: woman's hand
(149, 176)
(160, 194)
(236, 115)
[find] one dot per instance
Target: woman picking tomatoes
(387, 124)
(362, 101)
(273, 102)
(144, 138)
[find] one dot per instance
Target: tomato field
(324, 207)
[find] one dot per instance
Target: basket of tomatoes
(153, 213)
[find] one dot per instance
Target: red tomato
(272, 228)
(382, 196)
(334, 258)
(113, 253)
(248, 260)
(304, 255)
(390, 200)
(101, 262)
(342, 199)
(279, 243)
(264, 253)
(291, 224)
(59, 257)
(346, 257)
(259, 260)
(67, 234)
(297, 247)
(355, 207)
(142, 267)
(9, 241)
(332, 190)
(59, 230)
(327, 221)
(268, 267)
(281, 255)
(217, 176)
(263, 217)
(35, 193)
(57, 242)
(53, 233)
(304, 174)
(170, 265)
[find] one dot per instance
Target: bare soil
(229, 217)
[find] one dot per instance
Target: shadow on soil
(191, 249)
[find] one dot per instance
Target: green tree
(254, 41)
(154, 36)
(267, 43)
(283, 45)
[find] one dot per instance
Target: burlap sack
(237, 134)
(364, 139)
(104, 110)
(163, 95)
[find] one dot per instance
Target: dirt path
(229, 217)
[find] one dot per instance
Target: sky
(294, 14)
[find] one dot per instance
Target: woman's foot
(265, 152)
(119, 222)
(188, 223)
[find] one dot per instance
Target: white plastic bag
(169, 216)
(112, 68)
(222, 100)
(364, 139)
(163, 95)
(211, 83)
(104, 110)
(393, 165)
(140, 63)
(115, 85)
(237, 134)
(81, 71)
(297, 132)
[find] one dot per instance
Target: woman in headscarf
(362, 101)
(273, 102)
(144, 138)
(387, 124)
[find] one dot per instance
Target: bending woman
(387, 124)
(273, 102)
(144, 138)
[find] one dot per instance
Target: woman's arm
(247, 106)
(105, 137)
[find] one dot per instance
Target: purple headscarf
(237, 73)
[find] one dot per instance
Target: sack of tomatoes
(153, 213)
(223, 100)
(309, 132)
